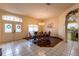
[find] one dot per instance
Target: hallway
(27, 48)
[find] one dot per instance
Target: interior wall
(0, 29)
(51, 25)
(62, 20)
(27, 21)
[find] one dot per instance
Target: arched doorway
(71, 26)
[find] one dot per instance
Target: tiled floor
(26, 48)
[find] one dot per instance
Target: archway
(71, 26)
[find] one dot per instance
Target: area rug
(50, 42)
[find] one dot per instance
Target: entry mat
(47, 42)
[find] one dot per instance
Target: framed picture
(49, 26)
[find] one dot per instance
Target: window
(8, 27)
(11, 18)
(72, 25)
(32, 29)
(18, 28)
(35, 28)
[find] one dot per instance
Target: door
(7, 31)
(11, 31)
(17, 30)
(11, 28)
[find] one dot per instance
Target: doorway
(72, 26)
(72, 31)
(11, 29)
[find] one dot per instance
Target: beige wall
(0, 28)
(27, 21)
(54, 23)
(0, 32)
(62, 19)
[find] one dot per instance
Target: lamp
(41, 23)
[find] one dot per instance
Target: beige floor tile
(27, 48)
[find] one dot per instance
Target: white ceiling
(36, 10)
